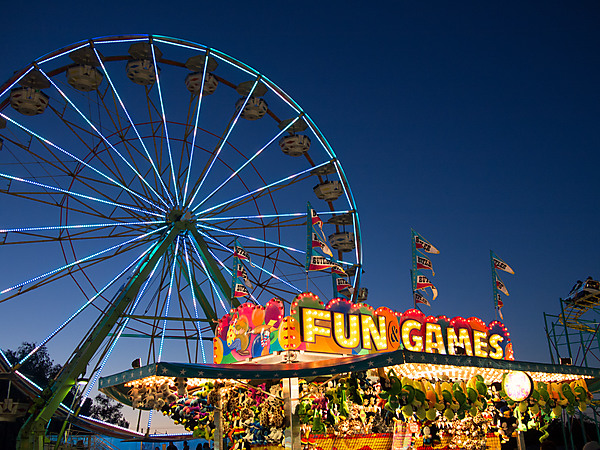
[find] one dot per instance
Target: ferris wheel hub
(178, 214)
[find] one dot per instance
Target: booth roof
(404, 363)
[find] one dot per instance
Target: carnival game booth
(345, 375)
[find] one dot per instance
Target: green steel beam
(180, 319)
(146, 336)
(209, 312)
(211, 265)
(548, 338)
(562, 312)
(32, 433)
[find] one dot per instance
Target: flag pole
(413, 291)
(414, 267)
(413, 272)
(494, 286)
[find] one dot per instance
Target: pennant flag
(239, 290)
(239, 287)
(501, 265)
(499, 308)
(316, 242)
(500, 286)
(424, 263)
(241, 273)
(318, 239)
(422, 244)
(338, 269)
(317, 262)
(342, 287)
(423, 282)
(420, 299)
(240, 252)
(240, 283)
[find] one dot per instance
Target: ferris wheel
(133, 166)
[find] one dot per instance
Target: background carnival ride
(133, 163)
(573, 334)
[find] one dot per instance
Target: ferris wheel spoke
(77, 194)
(249, 161)
(184, 147)
(83, 307)
(269, 216)
(261, 189)
(36, 196)
(164, 328)
(185, 314)
(254, 199)
(70, 272)
(33, 196)
(271, 274)
(86, 208)
(81, 236)
(205, 270)
(75, 227)
(122, 132)
(223, 141)
(195, 289)
(117, 173)
(119, 333)
(39, 161)
(82, 260)
(158, 138)
(150, 160)
(96, 186)
(164, 119)
(191, 281)
(200, 97)
(96, 130)
(154, 326)
(57, 164)
(21, 76)
(251, 238)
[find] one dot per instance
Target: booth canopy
(403, 362)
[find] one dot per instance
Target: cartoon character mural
(247, 332)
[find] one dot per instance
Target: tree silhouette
(108, 410)
(39, 368)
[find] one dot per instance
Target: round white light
(518, 386)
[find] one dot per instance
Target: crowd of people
(200, 446)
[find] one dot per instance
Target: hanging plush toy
(427, 438)
(181, 386)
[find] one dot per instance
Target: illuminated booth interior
(344, 371)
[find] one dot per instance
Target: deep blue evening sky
(475, 123)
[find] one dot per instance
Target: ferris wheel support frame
(211, 264)
(31, 435)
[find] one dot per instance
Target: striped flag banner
(424, 263)
(419, 298)
(422, 244)
(501, 265)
